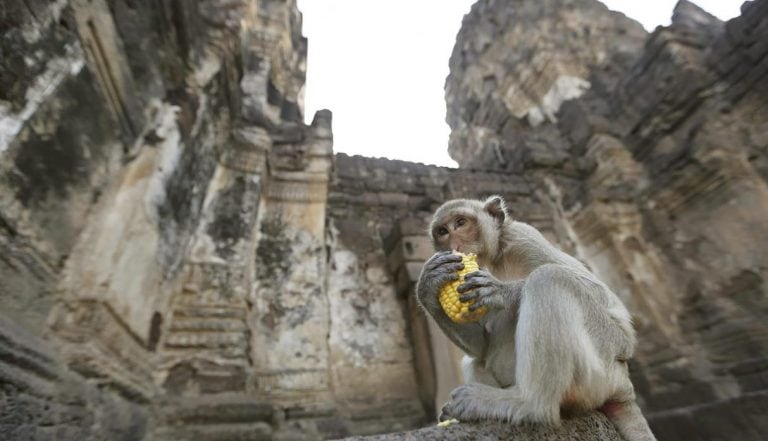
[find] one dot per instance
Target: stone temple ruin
(182, 257)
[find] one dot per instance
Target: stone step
(217, 409)
(208, 310)
(206, 340)
(208, 298)
(26, 359)
(181, 324)
(224, 354)
(219, 432)
(230, 353)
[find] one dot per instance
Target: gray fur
(554, 338)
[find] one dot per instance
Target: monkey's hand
(485, 290)
(439, 270)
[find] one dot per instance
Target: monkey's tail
(629, 420)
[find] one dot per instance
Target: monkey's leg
(474, 372)
(557, 357)
(469, 337)
(551, 344)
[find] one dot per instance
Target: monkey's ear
(496, 207)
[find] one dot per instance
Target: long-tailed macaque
(554, 338)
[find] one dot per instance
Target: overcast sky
(380, 67)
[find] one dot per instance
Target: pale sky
(380, 67)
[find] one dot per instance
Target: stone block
(592, 427)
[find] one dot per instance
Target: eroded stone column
(206, 341)
(436, 359)
(289, 315)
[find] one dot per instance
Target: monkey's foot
(474, 402)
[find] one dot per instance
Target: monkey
(554, 337)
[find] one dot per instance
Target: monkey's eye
(442, 231)
(460, 222)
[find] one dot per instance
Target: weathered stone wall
(655, 169)
(162, 207)
(165, 227)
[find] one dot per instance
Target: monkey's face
(457, 233)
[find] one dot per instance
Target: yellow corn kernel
(455, 309)
(447, 423)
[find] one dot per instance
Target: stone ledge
(592, 427)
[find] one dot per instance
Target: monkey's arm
(439, 270)
(486, 290)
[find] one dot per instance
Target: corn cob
(455, 309)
